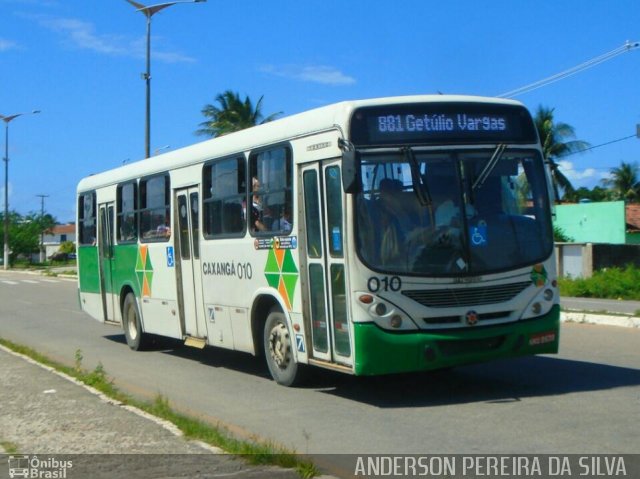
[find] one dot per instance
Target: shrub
(608, 283)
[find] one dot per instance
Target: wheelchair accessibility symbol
(478, 235)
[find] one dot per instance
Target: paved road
(586, 399)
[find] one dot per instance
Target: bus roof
(336, 115)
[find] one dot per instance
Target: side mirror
(350, 170)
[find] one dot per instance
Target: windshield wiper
(420, 186)
(484, 174)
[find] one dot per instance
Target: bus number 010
(394, 283)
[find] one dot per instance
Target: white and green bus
(369, 237)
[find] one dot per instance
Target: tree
(624, 182)
(598, 193)
(232, 114)
(24, 233)
(557, 141)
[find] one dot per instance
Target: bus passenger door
(326, 288)
(189, 273)
(105, 252)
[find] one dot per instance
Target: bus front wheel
(136, 338)
(278, 349)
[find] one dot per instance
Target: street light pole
(43, 256)
(7, 119)
(149, 11)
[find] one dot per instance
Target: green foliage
(559, 236)
(598, 193)
(624, 182)
(67, 247)
(609, 283)
(232, 114)
(24, 233)
(9, 447)
(557, 141)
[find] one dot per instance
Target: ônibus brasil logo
(34, 467)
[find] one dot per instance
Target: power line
(628, 46)
(597, 146)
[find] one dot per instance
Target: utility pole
(42, 252)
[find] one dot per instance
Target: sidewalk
(43, 413)
(605, 312)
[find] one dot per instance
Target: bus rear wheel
(132, 325)
(278, 349)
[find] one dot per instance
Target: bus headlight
(381, 309)
(382, 312)
(541, 303)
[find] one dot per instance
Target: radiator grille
(447, 298)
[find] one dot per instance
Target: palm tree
(233, 114)
(557, 141)
(625, 181)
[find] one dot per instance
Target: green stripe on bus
(383, 352)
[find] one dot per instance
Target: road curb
(600, 319)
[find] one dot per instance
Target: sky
(80, 62)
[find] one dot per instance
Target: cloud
(83, 35)
(572, 174)
(325, 75)
(581, 177)
(6, 45)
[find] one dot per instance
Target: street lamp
(148, 12)
(7, 119)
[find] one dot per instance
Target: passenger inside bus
(257, 210)
(284, 222)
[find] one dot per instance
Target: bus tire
(132, 325)
(278, 350)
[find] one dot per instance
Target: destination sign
(441, 122)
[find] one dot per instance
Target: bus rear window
(87, 219)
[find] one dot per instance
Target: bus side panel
(89, 282)
(144, 268)
(382, 352)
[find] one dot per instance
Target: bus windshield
(452, 212)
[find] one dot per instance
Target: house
(632, 220)
(597, 222)
(58, 235)
(604, 234)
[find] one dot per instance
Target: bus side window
(154, 208)
(223, 195)
(270, 204)
(127, 212)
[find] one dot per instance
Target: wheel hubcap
(280, 345)
(131, 324)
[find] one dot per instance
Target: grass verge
(254, 452)
(9, 447)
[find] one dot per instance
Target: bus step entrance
(199, 343)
